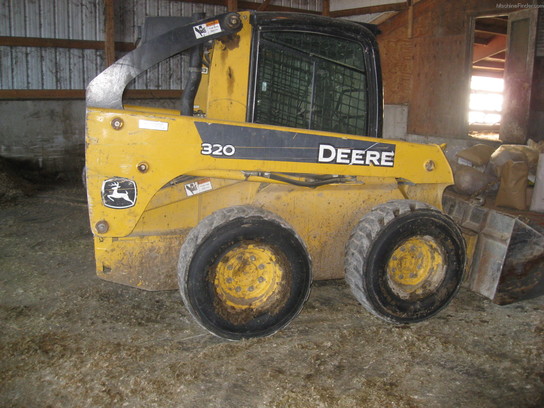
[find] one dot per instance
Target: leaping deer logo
(115, 194)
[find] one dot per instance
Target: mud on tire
(243, 272)
(405, 261)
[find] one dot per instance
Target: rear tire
(243, 272)
(405, 261)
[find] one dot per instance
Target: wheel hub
(416, 267)
(248, 276)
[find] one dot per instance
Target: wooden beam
(211, 2)
(489, 65)
(491, 25)
(383, 17)
(496, 45)
(410, 19)
(370, 10)
(42, 94)
(61, 43)
(80, 94)
(488, 32)
(109, 35)
(251, 5)
(486, 73)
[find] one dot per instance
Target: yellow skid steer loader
(273, 173)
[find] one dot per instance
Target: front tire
(405, 261)
(243, 272)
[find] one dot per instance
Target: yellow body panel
(177, 151)
(161, 153)
(229, 73)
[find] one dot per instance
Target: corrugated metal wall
(62, 68)
(50, 68)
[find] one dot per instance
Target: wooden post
(109, 25)
(326, 8)
(410, 5)
(264, 6)
(232, 5)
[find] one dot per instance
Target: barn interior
(465, 74)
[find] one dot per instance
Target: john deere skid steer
(273, 173)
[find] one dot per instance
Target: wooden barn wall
(425, 63)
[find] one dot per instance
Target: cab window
(311, 81)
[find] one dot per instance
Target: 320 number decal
(217, 149)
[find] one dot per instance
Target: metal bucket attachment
(507, 261)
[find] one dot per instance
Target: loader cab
(306, 72)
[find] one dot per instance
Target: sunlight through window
(485, 100)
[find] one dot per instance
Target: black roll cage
(362, 33)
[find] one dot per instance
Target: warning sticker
(204, 30)
(198, 187)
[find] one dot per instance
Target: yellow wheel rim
(249, 276)
(416, 268)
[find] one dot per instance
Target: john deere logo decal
(119, 193)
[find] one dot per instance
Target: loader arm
(106, 90)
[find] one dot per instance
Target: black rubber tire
(214, 237)
(370, 249)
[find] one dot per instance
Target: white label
(152, 125)
(198, 187)
(204, 30)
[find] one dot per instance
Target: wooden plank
(398, 21)
(15, 94)
(383, 8)
(397, 67)
(109, 35)
(440, 86)
(61, 43)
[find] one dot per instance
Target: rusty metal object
(508, 259)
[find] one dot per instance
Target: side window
(311, 81)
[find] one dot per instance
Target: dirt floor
(68, 339)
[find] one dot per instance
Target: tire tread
(360, 243)
(206, 227)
